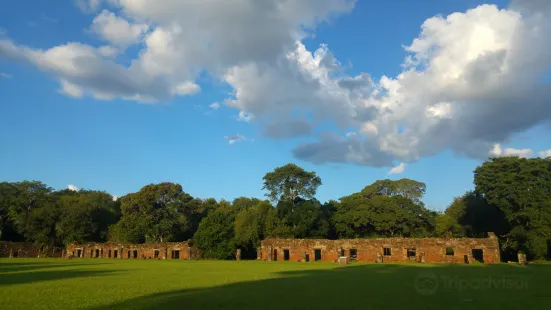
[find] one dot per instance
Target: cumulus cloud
(215, 106)
(545, 154)
(288, 129)
(73, 188)
(187, 88)
(71, 90)
(398, 169)
(234, 138)
(115, 198)
(117, 30)
(496, 151)
(108, 51)
(470, 79)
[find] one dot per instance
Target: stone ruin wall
(372, 250)
(164, 250)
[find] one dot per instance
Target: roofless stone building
(379, 250)
(444, 250)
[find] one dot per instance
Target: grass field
(150, 284)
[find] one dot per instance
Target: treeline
(512, 197)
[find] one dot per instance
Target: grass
(151, 284)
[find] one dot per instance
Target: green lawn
(148, 284)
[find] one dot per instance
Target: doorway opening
(317, 254)
(478, 255)
(286, 255)
(175, 254)
(353, 254)
(411, 254)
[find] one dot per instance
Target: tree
(86, 216)
(290, 182)
(382, 209)
(447, 227)
(407, 188)
(250, 227)
(475, 216)
(34, 211)
(521, 189)
(216, 235)
(156, 213)
(8, 196)
(242, 203)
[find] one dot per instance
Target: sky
(116, 94)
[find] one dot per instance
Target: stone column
(379, 258)
(11, 252)
(422, 257)
(238, 254)
(259, 253)
(270, 253)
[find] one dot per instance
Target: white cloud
(72, 188)
(351, 134)
(71, 90)
(4, 75)
(215, 106)
(398, 169)
(117, 30)
(187, 88)
(234, 138)
(545, 154)
(470, 79)
(496, 151)
(108, 51)
(115, 198)
(89, 6)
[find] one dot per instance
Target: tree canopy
(290, 182)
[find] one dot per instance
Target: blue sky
(75, 135)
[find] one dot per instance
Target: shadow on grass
(28, 266)
(41, 276)
(369, 286)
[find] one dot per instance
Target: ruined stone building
(453, 250)
(164, 250)
(444, 250)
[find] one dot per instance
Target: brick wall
(368, 250)
(165, 250)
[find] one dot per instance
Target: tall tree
(154, 214)
(216, 233)
(476, 216)
(521, 189)
(250, 226)
(290, 182)
(86, 215)
(407, 188)
(383, 210)
(35, 213)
